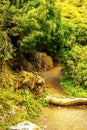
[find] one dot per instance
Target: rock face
(30, 80)
(25, 126)
(21, 63)
(38, 62)
(43, 61)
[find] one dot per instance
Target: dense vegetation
(57, 28)
(73, 52)
(29, 30)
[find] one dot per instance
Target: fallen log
(66, 101)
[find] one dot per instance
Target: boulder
(30, 80)
(43, 61)
(25, 126)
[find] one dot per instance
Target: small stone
(25, 126)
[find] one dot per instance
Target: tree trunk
(66, 101)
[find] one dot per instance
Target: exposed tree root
(66, 101)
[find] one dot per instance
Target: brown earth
(52, 78)
(56, 117)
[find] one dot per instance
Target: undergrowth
(17, 107)
(71, 90)
(32, 106)
(43, 101)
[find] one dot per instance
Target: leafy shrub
(73, 51)
(43, 101)
(32, 31)
(71, 89)
(77, 65)
(17, 107)
(81, 33)
(9, 98)
(69, 12)
(78, 3)
(76, 18)
(68, 86)
(32, 106)
(6, 49)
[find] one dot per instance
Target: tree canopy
(50, 26)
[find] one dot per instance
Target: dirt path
(52, 82)
(56, 117)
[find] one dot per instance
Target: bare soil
(52, 78)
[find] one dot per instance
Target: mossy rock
(43, 62)
(29, 80)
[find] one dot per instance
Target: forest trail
(56, 117)
(52, 78)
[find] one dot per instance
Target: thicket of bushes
(57, 28)
(50, 26)
(33, 27)
(74, 50)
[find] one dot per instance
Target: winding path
(52, 81)
(56, 117)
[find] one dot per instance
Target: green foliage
(6, 49)
(43, 101)
(17, 3)
(42, 25)
(76, 18)
(9, 98)
(73, 51)
(1, 124)
(71, 90)
(81, 33)
(17, 107)
(31, 105)
(78, 3)
(30, 30)
(77, 65)
(69, 12)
